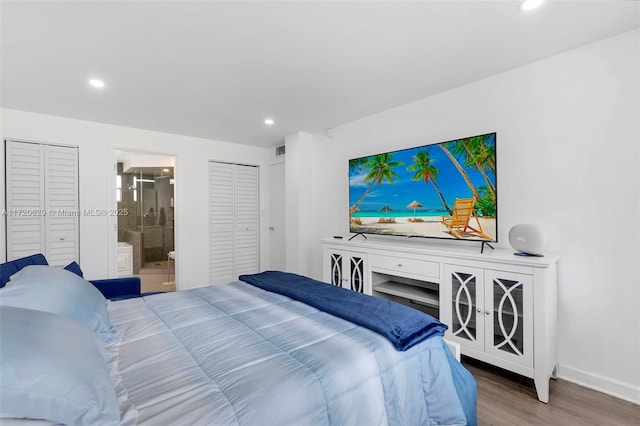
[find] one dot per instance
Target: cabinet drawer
(409, 266)
(124, 262)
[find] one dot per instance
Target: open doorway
(146, 232)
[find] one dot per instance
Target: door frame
(112, 166)
(276, 215)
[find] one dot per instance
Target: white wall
(299, 234)
(568, 138)
(97, 145)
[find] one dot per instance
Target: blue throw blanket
(401, 325)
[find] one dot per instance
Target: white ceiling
(217, 69)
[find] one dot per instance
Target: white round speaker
(528, 240)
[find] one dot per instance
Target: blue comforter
(401, 325)
(236, 354)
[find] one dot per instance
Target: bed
(244, 353)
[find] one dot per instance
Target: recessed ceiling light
(530, 4)
(269, 122)
(165, 170)
(96, 83)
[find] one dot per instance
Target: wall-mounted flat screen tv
(443, 190)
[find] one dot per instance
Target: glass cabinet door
(466, 314)
(509, 300)
(356, 273)
(335, 260)
(348, 270)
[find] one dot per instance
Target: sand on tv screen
(443, 190)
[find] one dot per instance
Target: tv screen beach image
(443, 190)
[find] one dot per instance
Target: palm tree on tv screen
(478, 154)
(448, 148)
(380, 169)
(427, 172)
(357, 163)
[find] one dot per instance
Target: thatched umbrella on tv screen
(414, 205)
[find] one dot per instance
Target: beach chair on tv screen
(458, 223)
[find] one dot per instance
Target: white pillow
(53, 368)
(58, 291)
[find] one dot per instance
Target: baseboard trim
(618, 389)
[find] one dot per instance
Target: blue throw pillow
(56, 290)
(75, 268)
(54, 368)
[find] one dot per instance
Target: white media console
(499, 307)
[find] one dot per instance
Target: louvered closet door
(233, 221)
(246, 216)
(61, 202)
(25, 199)
(42, 201)
(221, 223)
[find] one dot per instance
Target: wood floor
(156, 279)
(505, 398)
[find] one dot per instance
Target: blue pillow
(56, 290)
(54, 368)
(75, 268)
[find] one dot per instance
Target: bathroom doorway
(146, 232)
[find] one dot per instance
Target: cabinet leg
(554, 373)
(542, 387)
